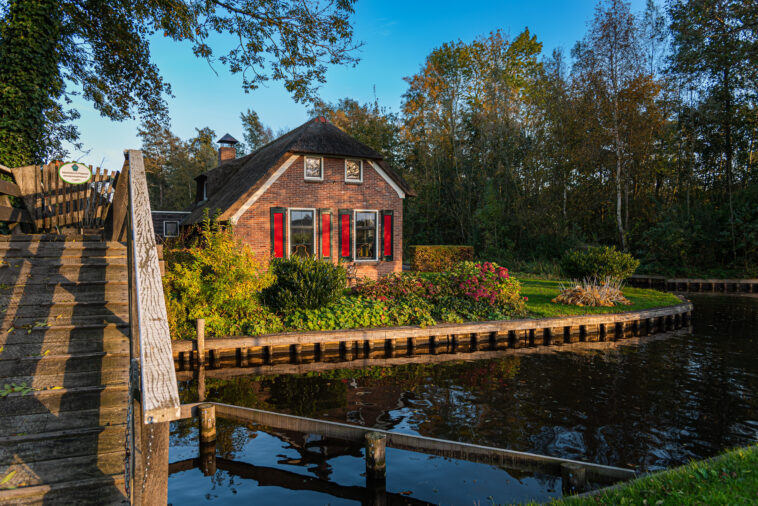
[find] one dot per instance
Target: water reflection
(644, 403)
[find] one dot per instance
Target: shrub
(439, 258)
(356, 312)
(598, 262)
(218, 278)
(488, 283)
(303, 283)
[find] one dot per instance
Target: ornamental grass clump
(590, 292)
(218, 278)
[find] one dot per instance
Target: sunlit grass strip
(540, 293)
(731, 478)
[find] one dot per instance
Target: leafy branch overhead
(51, 50)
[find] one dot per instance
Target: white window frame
(305, 171)
(164, 228)
(289, 228)
(376, 235)
(354, 181)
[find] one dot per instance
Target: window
(365, 235)
(302, 236)
(314, 168)
(353, 171)
(170, 228)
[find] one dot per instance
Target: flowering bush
(469, 291)
(488, 283)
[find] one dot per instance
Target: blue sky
(397, 37)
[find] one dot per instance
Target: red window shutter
(277, 231)
(345, 234)
(325, 226)
(388, 219)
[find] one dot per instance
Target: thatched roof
(234, 181)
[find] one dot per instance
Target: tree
(609, 61)
(256, 135)
(370, 123)
(715, 45)
(32, 122)
(102, 49)
(172, 164)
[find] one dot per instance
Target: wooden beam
(431, 446)
(160, 396)
(8, 188)
(14, 214)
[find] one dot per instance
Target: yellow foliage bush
(218, 278)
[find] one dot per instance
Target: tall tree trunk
(728, 153)
(619, 171)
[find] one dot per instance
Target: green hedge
(439, 258)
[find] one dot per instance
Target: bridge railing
(153, 389)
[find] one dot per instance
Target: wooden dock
(86, 375)
(696, 285)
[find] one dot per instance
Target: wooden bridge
(87, 377)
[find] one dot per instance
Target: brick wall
(292, 191)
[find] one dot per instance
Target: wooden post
(389, 347)
(200, 324)
(267, 355)
(208, 458)
(201, 383)
(376, 467)
(297, 353)
(207, 414)
(574, 478)
(242, 354)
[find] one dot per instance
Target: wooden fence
(52, 204)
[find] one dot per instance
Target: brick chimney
(227, 151)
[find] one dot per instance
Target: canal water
(642, 403)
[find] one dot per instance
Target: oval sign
(74, 173)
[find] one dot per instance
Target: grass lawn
(541, 291)
(731, 478)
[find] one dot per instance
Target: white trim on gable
(400, 193)
(260, 191)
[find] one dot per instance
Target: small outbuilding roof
(243, 176)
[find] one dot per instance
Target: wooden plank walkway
(64, 343)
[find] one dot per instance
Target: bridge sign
(74, 173)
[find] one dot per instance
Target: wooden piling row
(294, 347)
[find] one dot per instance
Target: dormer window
(353, 171)
(314, 168)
